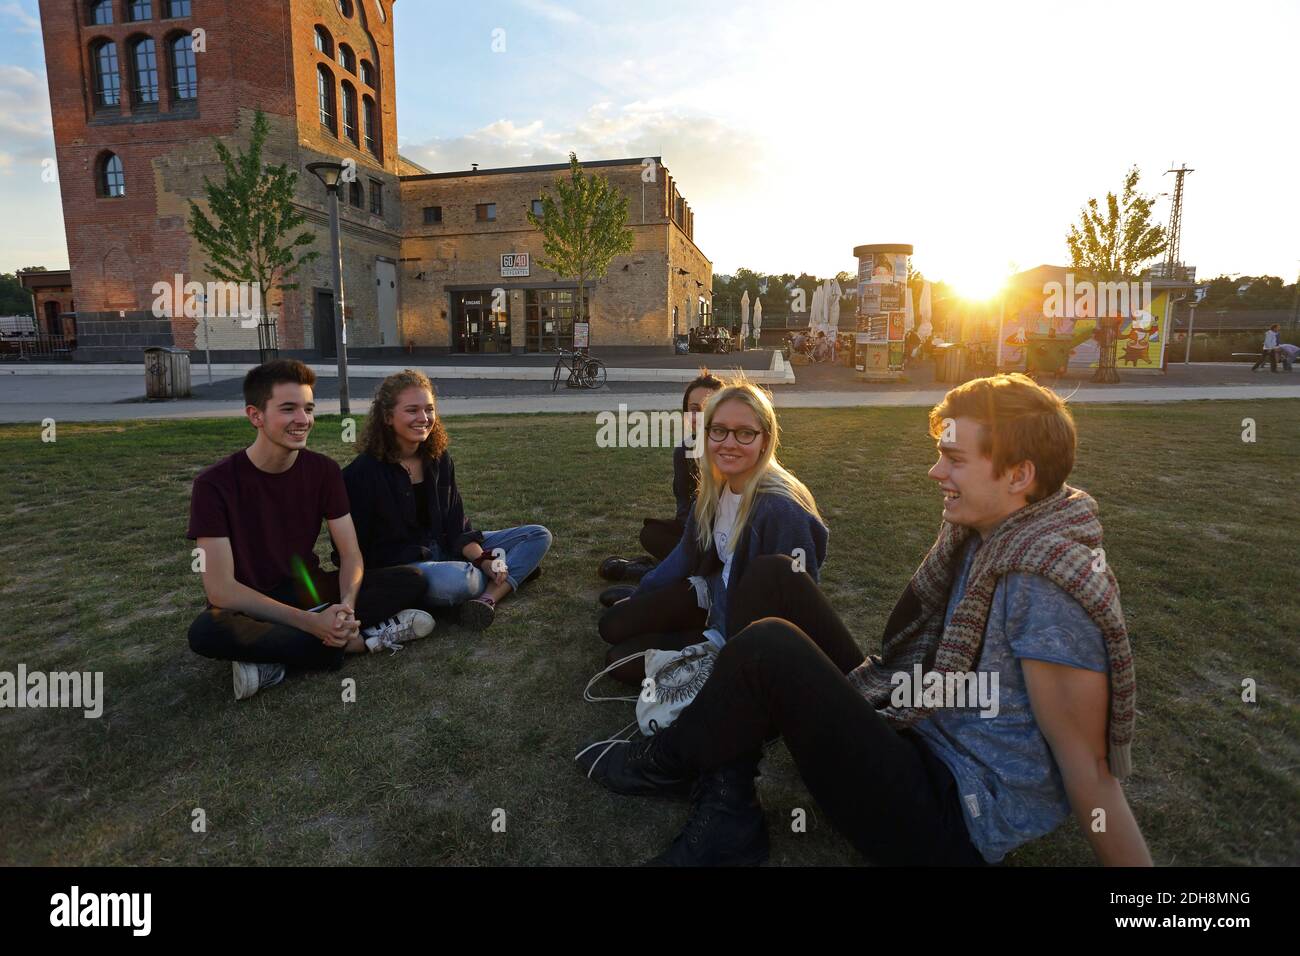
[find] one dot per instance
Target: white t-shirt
(1270, 339)
(723, 524)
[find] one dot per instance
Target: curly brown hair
(378, 439)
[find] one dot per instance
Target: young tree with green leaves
(246, 229)
(584, 226)
(1112, 246)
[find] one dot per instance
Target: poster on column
(896, 333)
(889, 267)
(892, 296)
(869, 298)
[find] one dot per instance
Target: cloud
(26, 22)
(25, 126)
(552, 11)
(704, 154)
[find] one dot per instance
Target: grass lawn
(95, 575)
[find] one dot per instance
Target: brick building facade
(139, 90)
(457, 293)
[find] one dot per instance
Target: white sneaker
(408, 625)
(250, 678)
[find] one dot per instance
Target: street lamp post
(331, 174)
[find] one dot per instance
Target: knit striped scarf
(1054, 538)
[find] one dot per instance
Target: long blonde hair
(769, 476)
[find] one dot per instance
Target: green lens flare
(300, 569)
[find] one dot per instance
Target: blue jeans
(455, 582)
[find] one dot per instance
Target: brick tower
(140, 88)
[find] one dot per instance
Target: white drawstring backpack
(672, 680)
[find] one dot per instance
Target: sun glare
(977, 286)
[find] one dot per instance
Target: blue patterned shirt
(1010, 788)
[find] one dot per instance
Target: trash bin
(682, 344)
(950, 363)
(166, 372)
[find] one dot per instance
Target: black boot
(726, 826)
(621, 569)
(640, 768)
(615, 593)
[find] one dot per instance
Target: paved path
(603, 400)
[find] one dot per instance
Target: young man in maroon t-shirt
(255, 517)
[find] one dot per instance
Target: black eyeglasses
(745, 436)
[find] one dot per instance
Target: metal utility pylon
(1175, 221)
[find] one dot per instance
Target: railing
(37, 348)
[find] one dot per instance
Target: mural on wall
(1140, 342)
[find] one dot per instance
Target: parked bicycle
(584, 371)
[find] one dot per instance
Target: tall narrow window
(347, 59)
(185, 73)
(354, 193)
(144, 73)
(325, 98)
(324, 42)
(108, 82)
(345, 7)
(101, 12)
(139, 10)
(350, 111)
(486, 212)
(376, 197)
(178, 8)
(112, 179)
(367, 73)
(368, 121)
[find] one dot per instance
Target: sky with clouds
(797, 131)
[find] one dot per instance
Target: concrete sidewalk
(604, 400)
(766, 367)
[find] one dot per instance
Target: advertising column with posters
(881, 318)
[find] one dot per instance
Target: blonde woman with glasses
(748, 505)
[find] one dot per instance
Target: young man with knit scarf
(1015, 586)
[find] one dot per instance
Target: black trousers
(232, 636)
(660, 535)
(668, 619)
(784, 674)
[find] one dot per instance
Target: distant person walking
(1270, 349)
(1288, 353)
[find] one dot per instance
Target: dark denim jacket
(777, 525)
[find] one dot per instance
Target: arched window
(369, 126)
(350, 112)
(139, 10)
(345, 8)
(325, 98)
(144, 72)
(367, 73)
(178, 8)
(383, 17)
(347, 59)
(324, 42)
(185, 72)
(100, 12)
(108, 82)
(112, 179)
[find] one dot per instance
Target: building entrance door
(323, 324)
(386, 288)
(478, 328)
